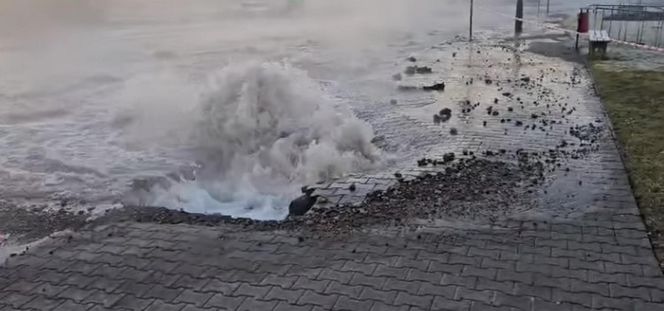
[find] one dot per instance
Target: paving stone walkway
(594, 264)
(588, 251)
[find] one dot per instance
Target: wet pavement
(533, 212)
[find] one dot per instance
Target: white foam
(258, 131)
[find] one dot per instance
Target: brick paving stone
(43, 303)
(520, 302)
(189, 282)
(334, 275)
(465, 281)
(159, 305)
(478, 306)
(543, 305)
(485, 296)
(132, 302)
(224, 302)
(251, 290)
(192, 297)
(387, 271)
(600, 302)
(543, 292)
(423, 302)
(103, 298)
(253, 304)
(106, 284)
(289, 295)
(16, 300)
(72, 306)
(75, 279)
(74, 293)
(284, 306)
(312, 298)
(21, 286)
(134, 288)
(442, 303)
(49, 290)
(504, 286)
(222, 287)
(350, 304)
(379, 306)
(369, 293)
(405, 286)
(584, 299)
(360, 279)
(162, 293)
(306, 283)
(437, 290)
(429, 277)
(446, 268)
(640, 305)
(342, 289)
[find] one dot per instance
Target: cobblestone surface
(522, 265)
(584, 247)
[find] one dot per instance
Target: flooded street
(231, 106)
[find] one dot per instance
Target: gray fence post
(518, 25)
(470, 34)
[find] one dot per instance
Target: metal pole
(548, 6)
(518, 25)
(539, 5)
(578, 28)
(470, 34)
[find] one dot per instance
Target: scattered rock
(307, 190)
(407, 88)
(301, 205)
(436, 87)
(352, 187)
(423, 70)
(445, 114)
(411, 70)
(411, 59)
(397, 77)
(448, 157)
(453, 131)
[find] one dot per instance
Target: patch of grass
(635, 102)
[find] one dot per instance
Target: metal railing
(640, 24)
